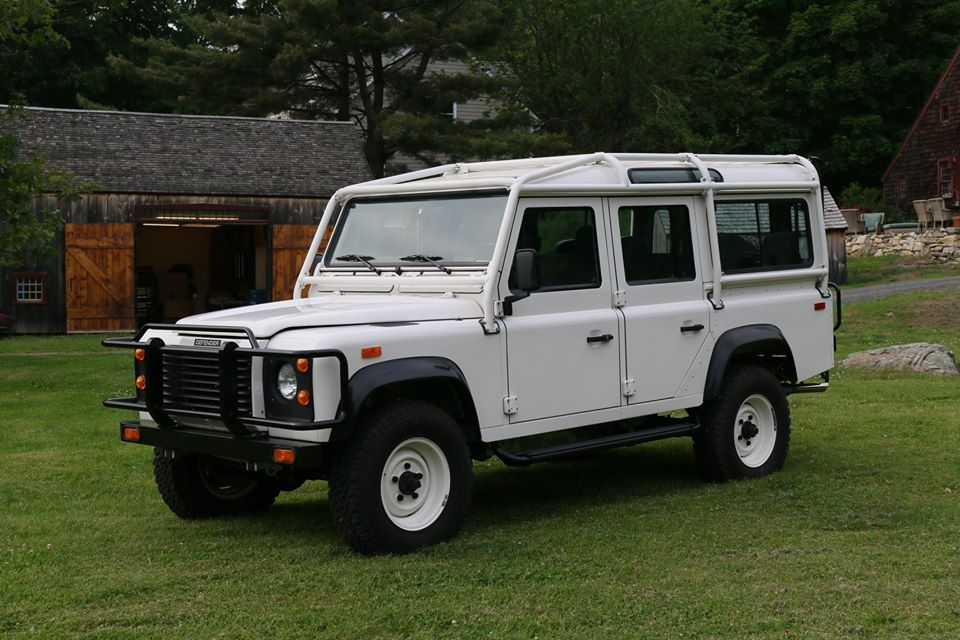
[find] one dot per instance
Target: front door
(666, 312)
(563, 342)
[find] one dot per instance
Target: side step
(670, 430)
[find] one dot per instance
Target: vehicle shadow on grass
(503, 495)
(506, 496)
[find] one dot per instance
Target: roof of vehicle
(606, 171)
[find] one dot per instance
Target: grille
(191, 382)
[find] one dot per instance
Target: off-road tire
(360, 465)
(715, 444)
(186, 484)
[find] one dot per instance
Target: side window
(764, 235)
(657, 243)
(566, 239)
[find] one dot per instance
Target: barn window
(30, 287)
(945, 175)
(945, 112)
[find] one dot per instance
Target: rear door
(665, 309)
(563, 342)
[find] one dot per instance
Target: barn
(187, 214)
(928, 161)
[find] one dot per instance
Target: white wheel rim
(755, 431)
(415, 484)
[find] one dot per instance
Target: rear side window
(566, 239)
(657, 243)
(763, 235)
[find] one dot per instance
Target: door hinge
(629, 387)
(510, 405)
(498, 308)
(619, 298)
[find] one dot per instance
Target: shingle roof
(156, 153)
(832, 217)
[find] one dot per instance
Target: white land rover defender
(529, 309)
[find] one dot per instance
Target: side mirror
(526, 263)
(526, 270)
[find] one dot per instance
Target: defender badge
(206, 342)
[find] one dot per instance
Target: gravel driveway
(880, 290)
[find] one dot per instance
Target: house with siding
(188, 214)
(927, 164)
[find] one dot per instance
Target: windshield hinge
(619, 298)
(510, 405)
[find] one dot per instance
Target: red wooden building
(188, 214)
(927, 165)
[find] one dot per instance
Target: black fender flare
(761, 339)
(368, 380)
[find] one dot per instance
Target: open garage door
(99, 272)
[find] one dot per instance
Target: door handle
(604, 338)
(691, 328)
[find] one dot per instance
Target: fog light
(303, 397)
(141, 382)
(130, 434)
(284, 456)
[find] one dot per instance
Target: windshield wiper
(419, 257)
(352, 257)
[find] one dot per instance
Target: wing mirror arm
(526, 266)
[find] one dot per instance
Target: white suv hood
(338, 310)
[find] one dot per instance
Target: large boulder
(918, 356)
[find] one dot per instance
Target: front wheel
(745, 430)
(199, 486)
(403, 481)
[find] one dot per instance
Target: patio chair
(923, 214)
(854, 221)
(873, 222)
(939, 211)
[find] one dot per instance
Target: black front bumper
(259, 451)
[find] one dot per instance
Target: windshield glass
(455, 230)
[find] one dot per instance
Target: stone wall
(940, 245)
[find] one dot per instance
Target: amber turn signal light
(130, 434)
(303, 365)
(284, 456)
(140, 354)
(303, 397)
(141, 382)
(371, 352)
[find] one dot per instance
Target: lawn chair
(923, 214)
(873, 222)
(939, 211)
(854, 221)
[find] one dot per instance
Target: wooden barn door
(99, 277)
(290, 245)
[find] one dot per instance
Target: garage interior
(192, 261)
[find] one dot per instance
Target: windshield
(452, 230)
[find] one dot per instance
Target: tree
(26, 230)
(609, 74)
(366, 60)
(56, 55)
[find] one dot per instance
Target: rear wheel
(745, 430)
(403, 481)
(198, 486)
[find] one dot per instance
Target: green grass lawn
(866, 270)
(858, 537)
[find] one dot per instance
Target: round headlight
(287, 381)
